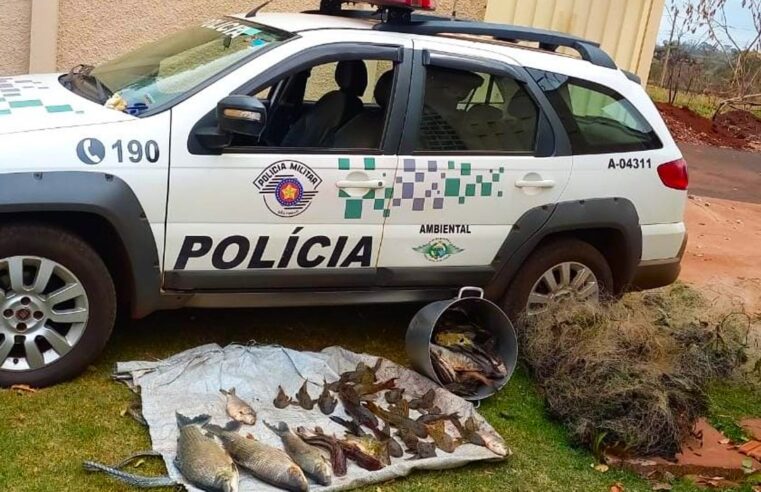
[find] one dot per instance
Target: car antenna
(257, 9)
(454, 10)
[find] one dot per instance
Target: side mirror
(245, 115)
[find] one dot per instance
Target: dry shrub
(632, 374)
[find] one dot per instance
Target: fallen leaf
(23, 387)
(662, 486)
(617, 487)
(123, 412)
(725, 441)
(602, 468)
(138, 463)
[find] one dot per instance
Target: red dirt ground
(724, 250)
(741, 124)
(734, 130)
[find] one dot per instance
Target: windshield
(166, 69)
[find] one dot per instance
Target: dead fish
(238, 409)
(302, 397)
(139, 481)
(326, 401)
(361, 375)
(409, 439)
(351, 425)
(398, 421)
(463, 389)
(370, 389)
(454, 361)
(445, 442)
(329, 444)
(384, 435)
(201, 460)
(424, 402)
(470, 433)
(431, 418)
(267, 463)
(393, 396)
(402, 408)
(351, 402)
(477, 376)
(281, 400)
(425, 450)
(366, 447)
(394, 448)
(309, 458)
(466, 342)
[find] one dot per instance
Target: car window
(162, 71)
(336, 105)
(476, 112)
(598, 119)
(322, 80)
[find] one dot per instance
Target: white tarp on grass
(189, 383)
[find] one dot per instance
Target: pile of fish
(464, 355)
(211, 457)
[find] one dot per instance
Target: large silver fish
(266, 463)
(201, 460)
(309, 458)
(238, 409)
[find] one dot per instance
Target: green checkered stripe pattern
(425, 186)
(19, 95)
(374, 200)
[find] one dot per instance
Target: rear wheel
(563, 270)
(57, 305)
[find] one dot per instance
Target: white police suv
(328, 157)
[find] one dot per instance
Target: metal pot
(490, 317)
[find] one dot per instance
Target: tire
(553, 254)
(83, 317)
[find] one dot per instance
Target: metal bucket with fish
(464, 321)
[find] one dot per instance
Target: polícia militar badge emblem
(288, 187)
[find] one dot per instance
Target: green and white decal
(438, 250)
(422, 187)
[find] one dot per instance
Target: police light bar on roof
(408, 4)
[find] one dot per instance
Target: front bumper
(652, 274)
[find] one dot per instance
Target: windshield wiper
(84, 73)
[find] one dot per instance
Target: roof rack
(379, 15)
(548, 40)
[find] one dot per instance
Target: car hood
(40, 102)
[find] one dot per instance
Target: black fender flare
(106, 196)
(570, 217)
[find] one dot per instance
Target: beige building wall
(15, 21)
(91, 31)
(627, 29)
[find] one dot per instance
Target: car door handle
(545, 183)
(370, 184)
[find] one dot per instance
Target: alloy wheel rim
(567, 281)
(44, 310)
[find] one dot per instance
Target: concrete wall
(15, 21)
(627, 29)
(91, 31)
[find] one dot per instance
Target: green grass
(702, 104)
(45, 436)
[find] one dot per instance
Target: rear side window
(473, 112)
(598, 120)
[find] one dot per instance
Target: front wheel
(562, 270)
(57, 305)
